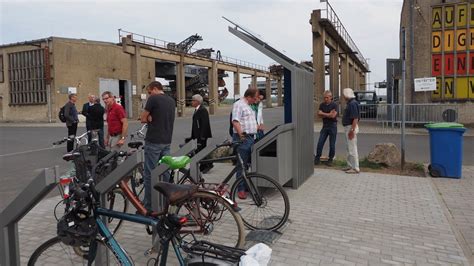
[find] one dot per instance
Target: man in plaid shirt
(245, 129)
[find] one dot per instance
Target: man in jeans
(70, 112)
(350, 121)
(327, 111)
(159, 115)
(245, 129)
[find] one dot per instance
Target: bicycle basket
(202, 252)
(77, 228)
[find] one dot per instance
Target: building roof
(51, 38)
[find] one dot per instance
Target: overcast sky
(372, 24)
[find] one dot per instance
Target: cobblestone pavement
(458, 195)
(336, 219)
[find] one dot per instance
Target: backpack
(61, 115)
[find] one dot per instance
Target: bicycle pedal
(148, 230)
(149, 252)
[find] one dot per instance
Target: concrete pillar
(268, 92)
(237, 82)
(213, 88)
(180, 87)
(334, 72)
(253, 83)
(319, 36)
(345, 72)
(351, 76)
(136, 78)
(356, 79)
(280, 91)
(363, 81)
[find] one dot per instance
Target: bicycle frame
(118, 251)
(252, 188)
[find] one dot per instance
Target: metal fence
(164, 44)
(414, 113)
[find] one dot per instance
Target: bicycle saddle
(135, 144)
(176, 193)
(71, 156)
(175, 162)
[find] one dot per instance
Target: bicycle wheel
(115, 200)
(211, 218)
(55, 252)
(266, 206)
(137, 183)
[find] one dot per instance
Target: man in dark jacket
(96, 117)
(85, 112)
(70, 112)
(201, 128)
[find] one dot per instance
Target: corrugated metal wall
(302, 116)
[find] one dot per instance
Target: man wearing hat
(350, 121)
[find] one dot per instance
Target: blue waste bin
(446, 141)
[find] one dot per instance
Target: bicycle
(267, 206)
(82, 225)
(210, 214)
(83, 157)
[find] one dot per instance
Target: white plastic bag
(258, 255)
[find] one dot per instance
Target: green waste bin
(446, 142)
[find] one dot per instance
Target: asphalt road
(25, 151)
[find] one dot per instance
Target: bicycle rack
(46, 181)
(156, 176)
(39, 187)
(107, 184)
(194, 165)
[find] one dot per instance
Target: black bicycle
(83, 157)
(264, 205)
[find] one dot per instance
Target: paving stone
(337, 219)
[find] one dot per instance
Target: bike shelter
(286, 152)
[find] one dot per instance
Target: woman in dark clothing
(96, 116)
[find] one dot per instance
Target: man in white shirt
(245, 130)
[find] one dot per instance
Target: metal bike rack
(122, 170)
(108, 183)
(272, 155)
(194, 165)
(46, 181)
(39, 187)
(156, 175)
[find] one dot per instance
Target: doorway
(121, 89)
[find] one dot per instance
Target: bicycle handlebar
(140, 133)
(74, 138)
(228, 143)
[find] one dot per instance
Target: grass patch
(418, 166)
(366, 164)
(411, 169)
(362, 163)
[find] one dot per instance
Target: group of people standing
(328, 111)
(246, 127)
(94, 112)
